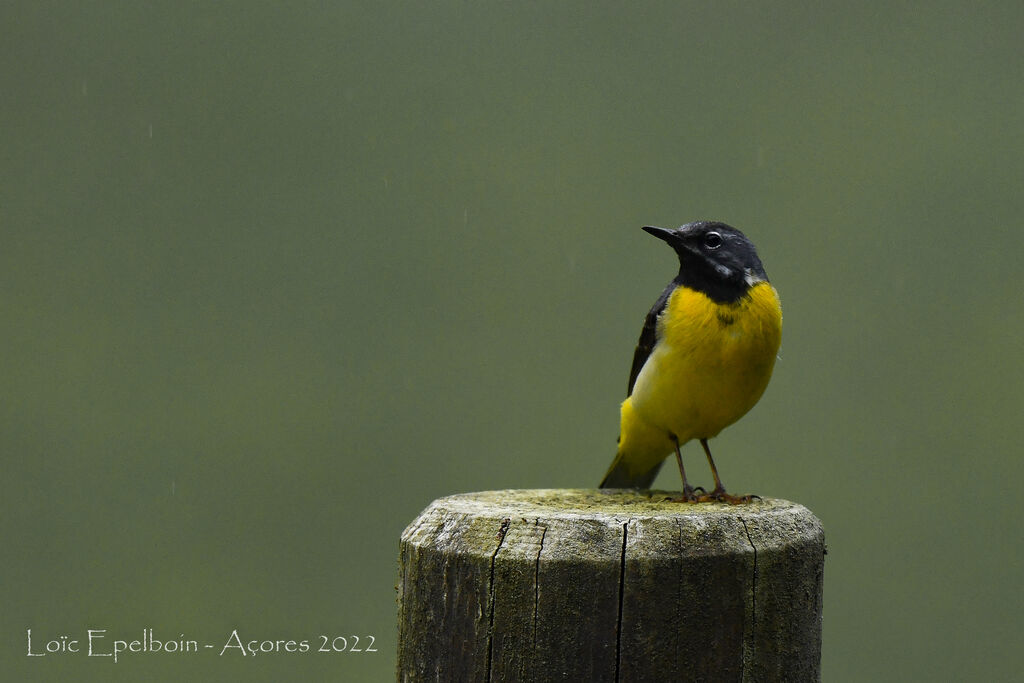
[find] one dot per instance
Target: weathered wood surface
(598, 585)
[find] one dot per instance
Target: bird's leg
(689, 493)
(719, 493)
(714, 470)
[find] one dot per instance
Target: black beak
(661, 233)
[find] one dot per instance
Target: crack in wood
(536, 583)
(753, 601)
(679, 602)
(502, 531)
(622, 587)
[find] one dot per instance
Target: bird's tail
(624, 474)
(642, 449)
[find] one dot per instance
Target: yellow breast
(711, 363)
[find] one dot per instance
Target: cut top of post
(607, 505)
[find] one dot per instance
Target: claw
(720, 496)
(690, 495)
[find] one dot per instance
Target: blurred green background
(275, 276)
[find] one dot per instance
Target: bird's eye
(712, 240)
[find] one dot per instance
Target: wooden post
(591, 585)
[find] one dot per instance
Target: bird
(704, 358)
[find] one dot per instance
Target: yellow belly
(710, 366)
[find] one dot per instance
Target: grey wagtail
(704, 357)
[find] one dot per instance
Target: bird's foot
(689, 495)
(720, 496)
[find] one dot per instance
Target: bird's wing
(648, 336)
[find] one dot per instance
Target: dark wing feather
(648, 336)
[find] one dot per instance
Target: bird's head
(714, 258)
